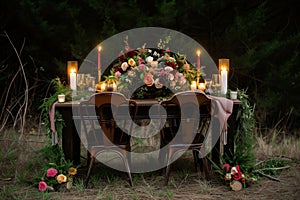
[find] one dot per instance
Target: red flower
(236, 173)
(237, 176)
(171, 64)
(226, 166)
(131, 53)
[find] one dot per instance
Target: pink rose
(158, 85)
(141, 67)
(51, 172)
(154, 64)
(42, 186)
(148, 79)
(118, 74)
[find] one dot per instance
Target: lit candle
(103, 87)
(114, 87)
(73, 80)
(198, 60)
(193, 85)
(99, 57)
(201, 86)
(99, 63)
(223, 80)
(61, 98)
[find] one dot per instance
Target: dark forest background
(261, 38)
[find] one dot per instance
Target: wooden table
(71, 140)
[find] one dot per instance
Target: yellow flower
(72, 171)
(131, 62)
(61, 178)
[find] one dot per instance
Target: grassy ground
(20, 167)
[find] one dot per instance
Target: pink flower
(51, 172)
(158, 85)
(118, 74)
(226, 166)
(42, 186)
(141, 67)
(148, 79)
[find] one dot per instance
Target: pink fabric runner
(224, 109)
(52, 124)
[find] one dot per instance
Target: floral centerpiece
(152, 72)
(237, 180)
(54, 178)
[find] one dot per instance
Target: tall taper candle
(99, 63)
(198, 60)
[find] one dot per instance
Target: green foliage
(46, 106)
(243, 154)
(244, 141)
(269, 166)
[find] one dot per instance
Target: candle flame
(223, 68)
(198, 52)
(73, 70)
(99, 48)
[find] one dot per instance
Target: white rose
(149, 59)
(124, 66)
(168, 69)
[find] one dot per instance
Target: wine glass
(216, 84)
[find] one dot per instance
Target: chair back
(190, 124)
(113, 112)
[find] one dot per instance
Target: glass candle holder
(61, 98)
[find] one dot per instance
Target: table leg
(70, 137)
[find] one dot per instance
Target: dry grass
(278, 144)
(17, 162)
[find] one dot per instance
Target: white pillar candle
(223, 81)
(73, 81)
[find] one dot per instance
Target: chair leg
(206, 170)
(163, 155)
(168, 168)
(125, 160)
(89, 171)
(195, 155)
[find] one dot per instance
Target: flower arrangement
(158, 70)
(237, 180)
(54, 178)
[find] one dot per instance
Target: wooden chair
(105, 109)
(185, 131)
